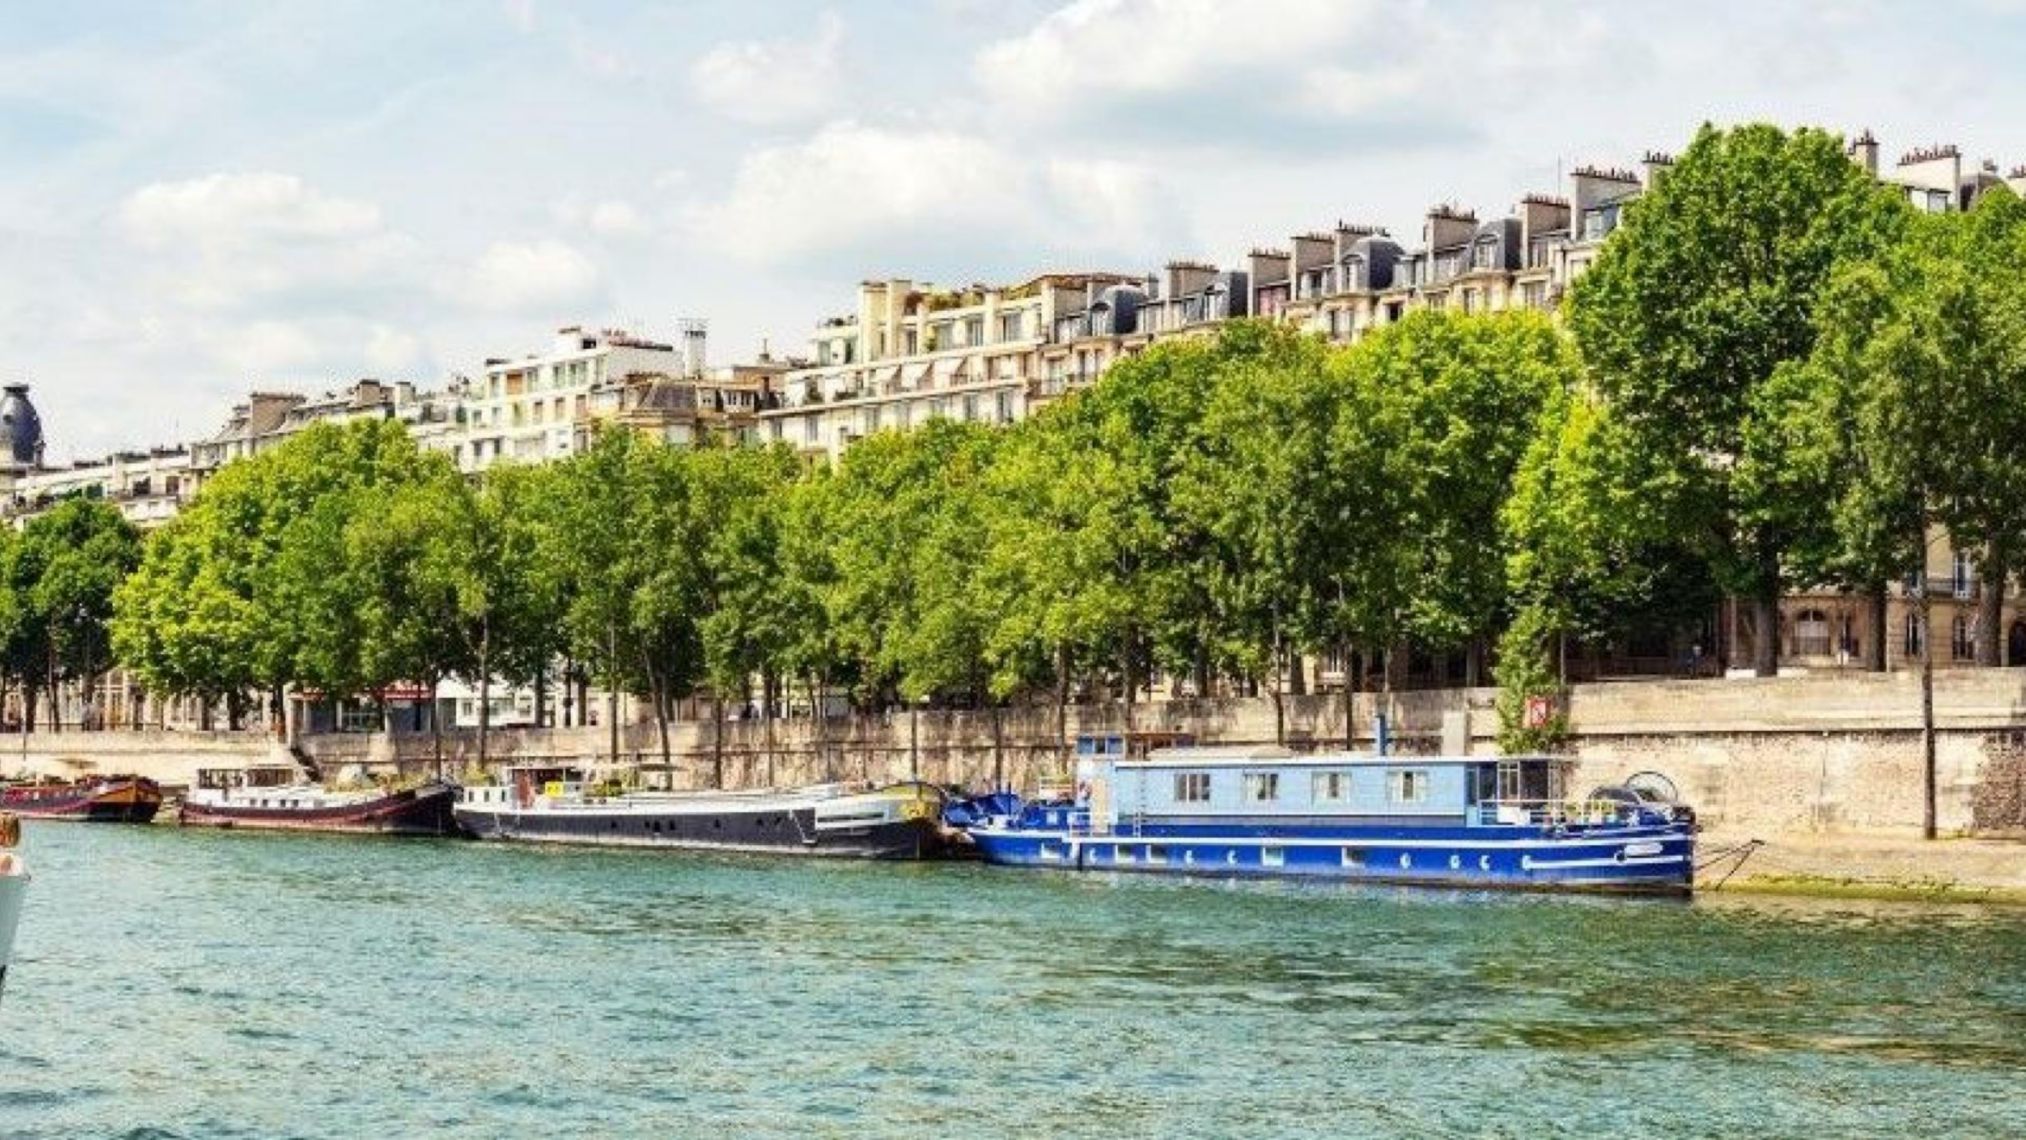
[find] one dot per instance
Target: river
(178, 983)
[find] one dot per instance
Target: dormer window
(1485, 255)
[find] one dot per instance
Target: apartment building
(911, 352)
(527, 410)
(723, 402)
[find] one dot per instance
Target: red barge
(279, 798)
(107, 799)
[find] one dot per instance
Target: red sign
(1539, 711)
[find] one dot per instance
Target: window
(1484, 256)
(1962, 574)
(1192, 787)
(1273, 856)
(1962, 638)
(1331, 787)
(1409, 786)
(1009, 326)
(1534, 294)
(974, 331)
(809, 430)
(1913, 638)
(1811, 634)
(1262, 787)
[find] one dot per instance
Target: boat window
(1192, 787)
(1262, 787)
(1157, 853)
(1407, 786)
(1331, 787)
(1273, 856)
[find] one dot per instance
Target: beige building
(911, 352)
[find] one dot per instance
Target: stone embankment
(1810, 764)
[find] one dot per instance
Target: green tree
(1923, 357)
(62, 573)
(1708, 287)
(252, 587)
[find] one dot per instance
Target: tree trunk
(998, 751)
(822, 726)
(436, 726)
(1279, 716)
(1927, 717)
(1351, 682)
(29, 697)
(1766, 623)
(1062, 703)
(484, 710)
(55, 695)
(1874, 649)
(1991, 607)
(717, 739)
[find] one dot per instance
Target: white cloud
(899, 193)
(391, 351)
(1141, 47)
(773, 81)
(264, 347)
(225, 206)
(528, 277)
(612, 217)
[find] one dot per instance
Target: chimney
(1449, 225)
(1933, 168)
(1864, 152)
(1542, 214)
(1266, 266)
(1312, 251)
(1654, 167)
(2017, 179)
(1188, 276)
(1594, 186)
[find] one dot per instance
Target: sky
(204, 199)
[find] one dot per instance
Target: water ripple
(185, 984)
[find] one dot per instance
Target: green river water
(175, 983)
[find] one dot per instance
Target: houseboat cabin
(1505, 821)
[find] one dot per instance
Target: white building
(527, 410)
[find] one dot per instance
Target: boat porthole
(1231, 857)
(1526, 862)
(1455, 862)
(1484, 862)
(1620, 856)
(717, 823)
(1406, 860)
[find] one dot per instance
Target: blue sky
(201, 199)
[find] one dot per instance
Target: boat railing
(1552, 812)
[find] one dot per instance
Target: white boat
(13, 891)
(552, 804)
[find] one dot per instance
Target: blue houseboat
(1442, 820)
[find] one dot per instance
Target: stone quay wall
(1776, 756)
